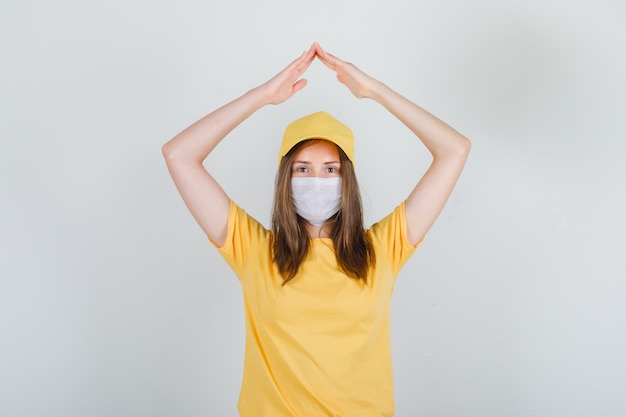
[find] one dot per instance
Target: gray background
(112, 302)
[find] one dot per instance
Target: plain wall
(113, 303)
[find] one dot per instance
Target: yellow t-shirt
(319, 345)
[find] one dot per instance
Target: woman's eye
(300, 169)
(331, 170)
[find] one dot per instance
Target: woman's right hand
(287, 82)
(184, 154)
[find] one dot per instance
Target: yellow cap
(320, 125)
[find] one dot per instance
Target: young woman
(317, 285)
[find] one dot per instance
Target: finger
(309, 56)
(327, 59)
(321, 53)
(318, 48)
(328, 63)
(332, 58)
(303, 62)
(304, 65)
(299, 85)
(298, 61)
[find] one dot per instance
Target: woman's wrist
(258, 96)
(378, 91)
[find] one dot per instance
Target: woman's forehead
(316, 149)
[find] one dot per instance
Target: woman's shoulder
(244, 230)
(395, 218)
(247, 222)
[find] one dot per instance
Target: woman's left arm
(448, 147)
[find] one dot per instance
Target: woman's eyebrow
(309, 163)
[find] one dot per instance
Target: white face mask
(316, 199)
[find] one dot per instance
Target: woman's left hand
(359, 83)
(448, 147)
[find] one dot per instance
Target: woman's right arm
(184, 154)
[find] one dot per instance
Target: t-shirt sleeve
(245, 237)
(389, 237)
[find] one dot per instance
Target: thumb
(299, 85)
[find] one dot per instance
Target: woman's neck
(322, 231)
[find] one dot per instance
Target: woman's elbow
(460, 148)
(169, 152)
(465, 147)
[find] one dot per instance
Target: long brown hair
(290, 240)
